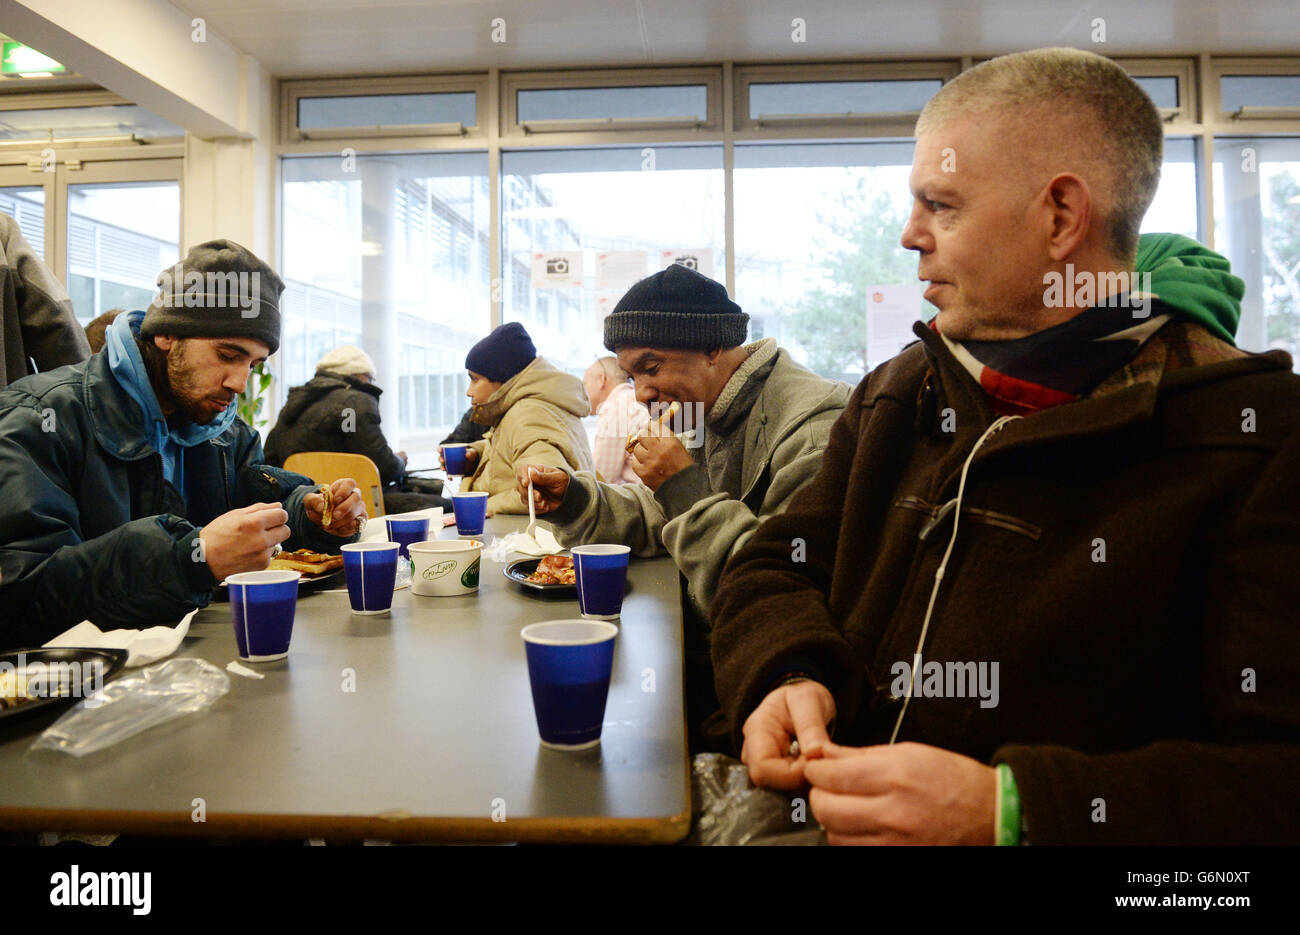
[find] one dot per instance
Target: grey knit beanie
(676, 308)
(220, 290)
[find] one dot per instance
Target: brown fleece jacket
(1131, 561)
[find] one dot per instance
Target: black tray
(63, 694)
(306, 585)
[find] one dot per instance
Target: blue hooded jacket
(90, 527)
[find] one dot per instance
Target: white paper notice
(891, 310)
(619, 269)
(561, 268)
(699, 259)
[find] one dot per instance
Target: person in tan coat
(533, 411)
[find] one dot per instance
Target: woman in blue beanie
(533, 412)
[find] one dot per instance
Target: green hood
(1194, 280)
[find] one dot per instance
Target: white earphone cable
(943, 564)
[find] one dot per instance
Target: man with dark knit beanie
(131, 488)
(533, 412)
(759, 423)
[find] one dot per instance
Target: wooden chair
(325, 467)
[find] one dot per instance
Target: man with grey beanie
(752, 424)
(131, 488)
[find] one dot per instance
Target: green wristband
(1006, 820)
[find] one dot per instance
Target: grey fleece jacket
(703, 514)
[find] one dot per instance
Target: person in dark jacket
(37, 323)
(1043, 588)
(467, 431)
(338, 410)
(130, 487)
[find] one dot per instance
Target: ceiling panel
(331, 37)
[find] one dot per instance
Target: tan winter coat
(534, 416)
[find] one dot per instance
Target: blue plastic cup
(371, 570)
(471, 512)
(263, 602)
(569, 665)
(601, 572)
(405, 529)
(454, 456)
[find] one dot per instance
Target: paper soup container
(445, 567)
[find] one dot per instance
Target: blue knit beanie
(502, 354)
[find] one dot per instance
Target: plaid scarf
(1060, 364)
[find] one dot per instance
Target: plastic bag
(729, 809)
(127, 706)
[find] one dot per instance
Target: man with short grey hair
(1047, 592)
(618, 417)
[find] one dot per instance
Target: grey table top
(437, 741)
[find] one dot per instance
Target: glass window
(369, 254)
(27, 207)
(688, 101)
(1173, 210)
(1257, 225)
(387, 110)
(648, 199)
(839, 97)
(120, 235)
(1238, 91)
(113, 120)
(817, 225)
(1162, 89)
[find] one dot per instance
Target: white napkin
(543, 543)
(377, 530)
(144, 646)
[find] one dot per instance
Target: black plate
(112, 661)
(306, 585)
(518, 572)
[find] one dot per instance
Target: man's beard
(185, 390)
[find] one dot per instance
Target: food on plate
(554, 569)
(13, 690)
(305, 562)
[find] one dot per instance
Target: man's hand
(909, 793)
(658, 457)
(550, 484)
(243, 539)
(798, 711)
(348, 508)
(402, 456)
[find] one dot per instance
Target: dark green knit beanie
(220, 290)
(676, 308)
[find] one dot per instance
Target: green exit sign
(18, 59)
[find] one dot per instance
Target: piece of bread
(305, 562)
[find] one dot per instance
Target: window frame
(598, 78)
(291, 92)
(886, 124)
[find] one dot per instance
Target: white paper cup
(445, 567)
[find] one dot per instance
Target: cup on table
(445, 567)
(569, 666)
(471, 512)
(454, 456)
(601, 573)
(404, 529)
(263, 603)
(371, 572)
